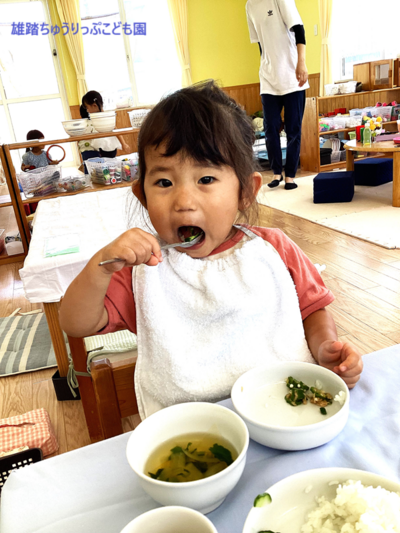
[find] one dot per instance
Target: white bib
(201, 323)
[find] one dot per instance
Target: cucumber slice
(262, 499)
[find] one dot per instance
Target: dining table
(94, 490)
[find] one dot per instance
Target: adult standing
(278, 29)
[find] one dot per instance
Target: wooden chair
(108, 395)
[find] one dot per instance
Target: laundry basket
(137, 117)
(104, 170)
(40, 181)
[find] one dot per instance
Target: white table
(98, 218)
(94, 490)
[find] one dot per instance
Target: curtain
(178, 12)
(69, 12)
(325, 16)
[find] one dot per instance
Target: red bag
(32, 429)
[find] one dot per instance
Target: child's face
(180, 192)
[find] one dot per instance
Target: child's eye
(163, 183)
(206, 180)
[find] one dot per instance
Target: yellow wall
(309, 13)
(219, 43)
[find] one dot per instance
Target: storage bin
(326, 124)
(339, 122)
(367, 111)
(384, 112)
(335, 157)
(355, 112)
(77, 183)
(40, 181)
(129, 170)
(353, 121)
(325, 156)
(104, 170)
(395, 112)
(342, 155)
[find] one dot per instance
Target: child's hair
(33, 134)
(205, 124)
(90, 98)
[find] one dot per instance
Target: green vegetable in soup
(300, 394)
(193, 234)
(191, 464)
(262, 499)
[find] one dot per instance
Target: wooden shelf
(321, 106)
(321, 133)
(95, 188)
(361, 93)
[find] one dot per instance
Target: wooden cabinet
(316, 106)
(18, 200)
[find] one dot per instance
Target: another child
(92, 102)
(242, 297)
(35, 157)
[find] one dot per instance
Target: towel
(201, 323)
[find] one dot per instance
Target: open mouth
(189, 233)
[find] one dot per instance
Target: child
(241, 297)
(35, 157)
(92, 102)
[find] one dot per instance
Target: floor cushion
(373, 171)
(333, 187)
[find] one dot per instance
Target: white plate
(291, 504)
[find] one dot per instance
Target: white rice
(356, 509)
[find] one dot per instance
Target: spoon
(165, 247)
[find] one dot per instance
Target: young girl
(35, 157)
(241, 297)
(92, 102)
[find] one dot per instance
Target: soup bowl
(171, 519)
(179, 421)
(75, 127)
(259, 398)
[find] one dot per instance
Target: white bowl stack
(104, 121)
(75, 127)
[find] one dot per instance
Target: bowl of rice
(292, 405)
(328, 500)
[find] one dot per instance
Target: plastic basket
(129, 170)
(40, 181)
(9, 463)
(104, 170)
(384, 112)
(74, 183)
(137, 117)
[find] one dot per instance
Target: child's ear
(137, 191)
(257, 182)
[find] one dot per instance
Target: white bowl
(259, 398)
(75, 127)
(204, 495)
(172, 519)
(291, 503)
(103, 123)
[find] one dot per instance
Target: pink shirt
(311, 291)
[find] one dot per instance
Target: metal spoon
(165, 247)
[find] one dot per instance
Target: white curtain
(178, 12)
(325, 14)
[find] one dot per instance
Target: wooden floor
(365, 279)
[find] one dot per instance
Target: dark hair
(33, 134)
(205, 124)
(90, 98)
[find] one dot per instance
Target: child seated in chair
(242, 297)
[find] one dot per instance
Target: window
(31, 95)
(143, 67)
(362, 31)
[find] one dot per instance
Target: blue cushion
(332, 187)
(373, 171)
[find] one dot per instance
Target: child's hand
(135, 246)
(342, 358)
